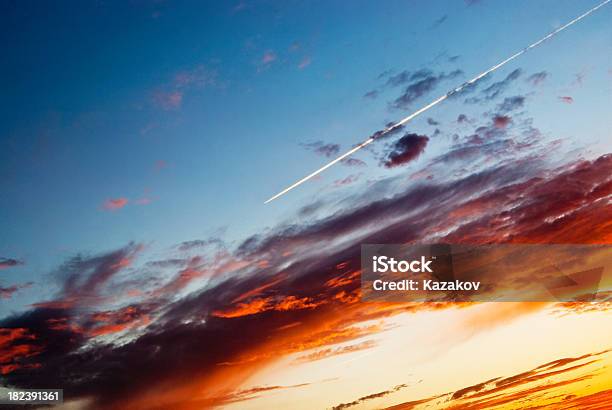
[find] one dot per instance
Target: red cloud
(108, 322)
(7, 293)
(566, 99)
(346, 181)
(115, 203)
(501, 121)
(15, 347)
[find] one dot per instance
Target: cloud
(438, 22)
(289, 290)
(501, 121)
(462, 118)
(197, 77)
(321, 148)
(566, 99)
(240, 6)
(388, 134)
(547, 382)
(420, 83)
(7, 293)
(253, 393)
(114, 321)
(601, 302)
(406, 149)
(511, 104)
(160, 164)
(332, 352)
(396, 79)
(494, 90)
(114, 204)
(353, 162)
(16, 347)
(268, 57)
(537, 78)
(305, 62)
(369, 397)
(6, 263)
(260, 305)
(431, 121)
(170, 96)
(83, 277)
(371, 94)
(171, 100)
(348, 180)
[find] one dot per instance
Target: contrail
(437, 101)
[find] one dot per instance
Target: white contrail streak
(438, 100)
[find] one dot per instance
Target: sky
(139, 141)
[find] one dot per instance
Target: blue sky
(195, 112)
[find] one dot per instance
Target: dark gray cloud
(497, 88)
(353, 162)
(439, 21)
(494, 90)
(406, 149)
(9, 262)
(421, 83)
(371, 94)
(321, 148)
(511, 104)
(382, 134)
(199, 243)
(537, 78)
(399, 79)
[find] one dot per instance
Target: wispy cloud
(268, 57)
(420, 83)
(9, 262)
(114, 204)
(537, 78)
(305, 62)
(327, 150)
(7, 292)
(170, 96)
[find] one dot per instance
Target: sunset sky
(140, 268)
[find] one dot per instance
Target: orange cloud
(108, 322)
(331, 352)
(535, 388)
(259, 305)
